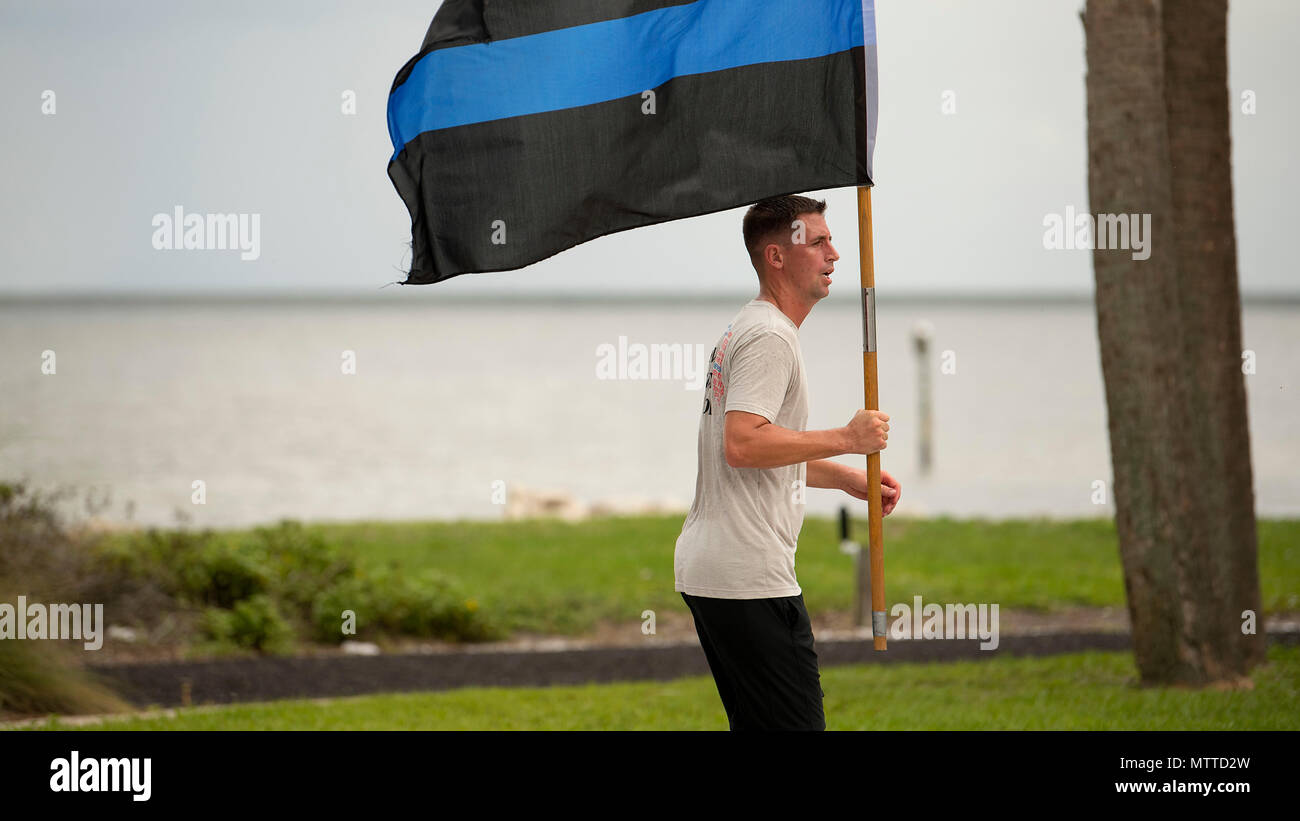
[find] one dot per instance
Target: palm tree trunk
(1170, 333)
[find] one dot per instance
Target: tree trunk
(1170, 333)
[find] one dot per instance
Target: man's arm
(853, 481)
(753, 442)
(827, 474)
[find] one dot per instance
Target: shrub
(254, 623)
(222, 575)
(254, 590)
(300, 563)
(38, 554)
(44, 560)
(327, 609)
(428, 605)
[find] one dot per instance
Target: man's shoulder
(765, 336)
(759, 318)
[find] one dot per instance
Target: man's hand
(867, 432)
(890, 490)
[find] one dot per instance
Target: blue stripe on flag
(605, 61)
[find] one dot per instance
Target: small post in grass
(861, 570)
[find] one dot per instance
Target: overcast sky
(235, 107)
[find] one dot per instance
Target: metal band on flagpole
(868, 320)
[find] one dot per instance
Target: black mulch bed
(169, 684)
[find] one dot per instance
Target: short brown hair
(766, 217)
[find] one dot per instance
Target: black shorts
(762, 658)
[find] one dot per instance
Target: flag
(525, 127)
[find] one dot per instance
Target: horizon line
(523, 296)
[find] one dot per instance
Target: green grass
(1084, 691)
(556, 577)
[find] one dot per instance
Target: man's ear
(772, 255)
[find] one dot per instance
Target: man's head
(790, 247)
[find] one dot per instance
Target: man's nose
(834, 254)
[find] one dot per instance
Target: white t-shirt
(739, 539)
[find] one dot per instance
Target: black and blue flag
(526, 127)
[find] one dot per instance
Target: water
(449, 398)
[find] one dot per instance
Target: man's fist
(890, 490)
(867, 432)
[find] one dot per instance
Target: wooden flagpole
(871, 400)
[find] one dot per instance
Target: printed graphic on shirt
(713, 387)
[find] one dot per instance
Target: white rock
(360, 648)
(117, 632)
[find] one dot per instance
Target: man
(734, 560)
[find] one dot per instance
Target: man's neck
(797, 311)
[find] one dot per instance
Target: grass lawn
(556, 577)
(1085, 691)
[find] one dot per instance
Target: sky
(237, 107)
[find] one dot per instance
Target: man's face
(809, 263)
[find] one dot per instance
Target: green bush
(301, 564)
(194, 567)
(354, 594)
(428, 605)
(254, 623)
(261, 589)
(222, 575)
